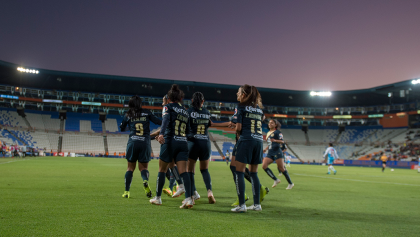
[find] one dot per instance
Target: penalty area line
(356, 180)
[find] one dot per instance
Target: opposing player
(331, 155)
(384, 159)
(275, 139)
(199, 145)
(138, 146)
(227, 156)
(174, 146)
(250, 144)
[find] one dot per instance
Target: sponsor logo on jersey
(201, 137)
(182, 139)
(252, 109)
(198, 115)
(257, 136)
(180, 111)
(137, 138)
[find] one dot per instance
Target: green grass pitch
(56, 196)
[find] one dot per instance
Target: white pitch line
(12, 161)
(356, 180)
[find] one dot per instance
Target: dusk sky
(288, 44)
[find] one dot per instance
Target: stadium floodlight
(320, 93)
(27, 70)
(415, 81)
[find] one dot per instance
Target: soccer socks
(160, 183)
(206, 177)
(187, 184)
(233, 169)
(169, 174)
(255, 181)
(191, 174)
(171, 182)
(270, 173)
(145, 175)
(240, 187)
(246, 175)
(177, 176)
(332, 168)
(128, 178)
(286, 175)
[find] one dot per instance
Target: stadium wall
(394, 121)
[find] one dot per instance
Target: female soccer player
(250, 144)
(384, 159)
(174, 146)
(275, 138)
(331, 154)
(199, 145)
(138, 145)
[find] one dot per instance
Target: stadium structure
(67, 113)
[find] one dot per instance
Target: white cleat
(156, 201)
(275, 183)
(211, 198)
(254, 207)
(178, 192)
(280, 174)
(196, 196)
(187, 203)
(240, 209)
(290, 186)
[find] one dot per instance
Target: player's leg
(257, 155)
(240, 186)
(383, 166)
(191, 171)
(145, 176)
(131, 166)
(331, 162)
(165, 158)
(280, 167)
(204, 169)
(266, 162)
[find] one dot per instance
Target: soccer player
(275, 138)
(174, 147)
(250, 144)
(288, 159)
(418, 168)
(384, 159)
(227, 157)
(138, 146)
(331, 153)
(199, 145)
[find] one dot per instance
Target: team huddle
(184, 139)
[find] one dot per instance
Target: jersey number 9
(180, 128)
(139, 129)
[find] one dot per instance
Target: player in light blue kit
(332, 155)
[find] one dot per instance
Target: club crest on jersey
(236, 111)
(164, 110)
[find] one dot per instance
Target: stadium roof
(401, 92)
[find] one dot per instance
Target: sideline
(21, 159)
(356, 180)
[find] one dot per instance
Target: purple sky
(300, 45)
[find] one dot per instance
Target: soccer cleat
(147, 189)
(254, 207)
(263, 191)
(236, 203)
(290, 186)
(179, 192)
(187, 203)
(280, 174)
(211, 198)
(275, 183)
(196, 196)
(167, 191)
(335, 172)
(174, 189)
(126, 194)
(156, 201)
(239, 209)
(328, 172)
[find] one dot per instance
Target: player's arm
(335, 154)
(266, 149)
(155, 119)
(165, 122)
(224, 124)
(154, 134)
(124, 123)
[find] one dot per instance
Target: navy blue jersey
(251, 120)
(178, 120)
(199, 123)
(283, 146)
(277, 135)
(140, 127)
(234, 117)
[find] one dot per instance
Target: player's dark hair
(197, 99)
(330, 144)
(175, 94)
(278, 125)
(252, 96)
(134, 105)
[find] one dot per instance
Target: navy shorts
(174, 150)
(274, 155)
(138, 151)
(234, 149)
(199, 149)
(249, 152)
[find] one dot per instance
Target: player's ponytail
(251, 96)
(197, 99)
(134, 105)
(175, 94)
